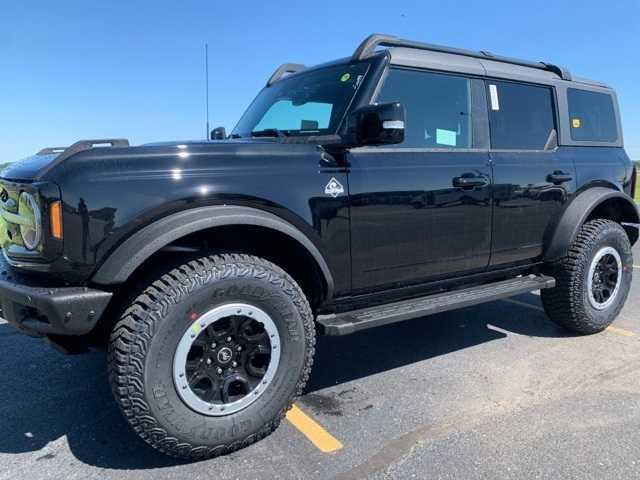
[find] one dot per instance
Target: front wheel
(211, 355)
(593, 280)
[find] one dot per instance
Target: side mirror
(218, 133)
(379, 124)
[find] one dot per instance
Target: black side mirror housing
(381, 124)
(218, 133)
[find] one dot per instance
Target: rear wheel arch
(596, 202)
(132, 254)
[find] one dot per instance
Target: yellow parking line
(322, 439)
(621, 331)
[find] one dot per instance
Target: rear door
(422, 209)
(532, 176)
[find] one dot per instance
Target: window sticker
(345, 77)
(575, 122)
(493, 94)
(446, 137)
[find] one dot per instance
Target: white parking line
(523, 304)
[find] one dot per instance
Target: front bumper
(39, 309)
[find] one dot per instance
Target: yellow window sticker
(575, 122)
(345, 77)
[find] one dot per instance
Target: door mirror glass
(218, 133)
(379, 124)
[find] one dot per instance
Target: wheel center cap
(224, 355)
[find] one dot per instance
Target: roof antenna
(206, 74)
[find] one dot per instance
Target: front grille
(9, 218)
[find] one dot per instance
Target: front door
(421, 210)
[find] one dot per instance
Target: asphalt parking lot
(494, 391)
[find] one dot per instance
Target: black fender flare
(129, 255)
(565, 229)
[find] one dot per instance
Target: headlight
(31, 228)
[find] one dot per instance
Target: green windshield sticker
(445, 137)
(345, 77)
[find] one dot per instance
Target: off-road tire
(143, 343)
(568, 303)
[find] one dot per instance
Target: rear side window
(521, 116)
(592, 117)
(438, 108)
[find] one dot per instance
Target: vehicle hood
(27, 169)
(32, 168)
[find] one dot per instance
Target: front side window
(521, 117)
(438, 108)
(591, 116)
(309, 103)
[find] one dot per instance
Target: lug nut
(219, 371)
(214, 345)
(234, 364)
(239, 348)
(208, 361)
(228, 339)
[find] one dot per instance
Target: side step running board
(350, 322)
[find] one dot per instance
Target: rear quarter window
(592, 117)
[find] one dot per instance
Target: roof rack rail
(84, 145)
(50, 150)
(66, 152)
(369, 45)
(285, 68)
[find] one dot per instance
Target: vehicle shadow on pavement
(343, 359)
(48, 397)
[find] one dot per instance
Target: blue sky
(134, 69)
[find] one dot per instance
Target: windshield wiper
(270, 132)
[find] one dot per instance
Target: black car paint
(429, 229)
(409, 223)
(110, 196)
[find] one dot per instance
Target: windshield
(312, 103)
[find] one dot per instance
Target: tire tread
(564, 304)
(132, 334)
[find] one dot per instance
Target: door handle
(559, 177)
(468, 181)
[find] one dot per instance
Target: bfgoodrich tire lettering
(569, 304)
(143, 344)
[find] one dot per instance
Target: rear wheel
(211, 355)
(593, 280)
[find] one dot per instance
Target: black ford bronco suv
(405, 180)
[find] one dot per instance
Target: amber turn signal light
(55, 212)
